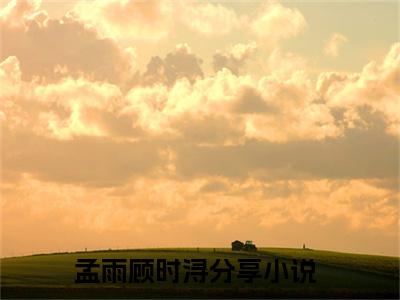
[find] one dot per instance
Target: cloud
(169, 152)
(208, 18)
(208, 130)
(224, 96)
(275, 22)
(127, 19)
(359, 154)
(219, 205)
(188, 130)
(376, 88)
(333, 45)
(361, 204)
(49, 48)
(180, 63)
(234, 58)
(10, 75)
(174, 91)
(218, 125)
(251, 102)
(154, 20)
(87, 161)
(15, 12)
(282, 64)
(64, 109)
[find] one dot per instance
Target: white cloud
(208, 18)
(234, 57)
(145, 20)
(377, 87)
(275, 22)
(246, 107)
(333, 45)
(74, 107)
(284, 64)
(153, 20)
(16, 12)
(51, 48)
(288, 101)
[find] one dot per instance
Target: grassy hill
(337, 275)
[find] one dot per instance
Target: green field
(337, 275)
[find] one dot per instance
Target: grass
(385, 265)
(338, 275)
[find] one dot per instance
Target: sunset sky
(196, 123)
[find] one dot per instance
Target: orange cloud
(186, 204)
(95, 149)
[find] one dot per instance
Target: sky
(135, 124)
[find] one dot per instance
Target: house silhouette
(237, 245)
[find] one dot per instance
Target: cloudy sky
(184, 123)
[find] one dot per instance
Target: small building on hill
(237, 245)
